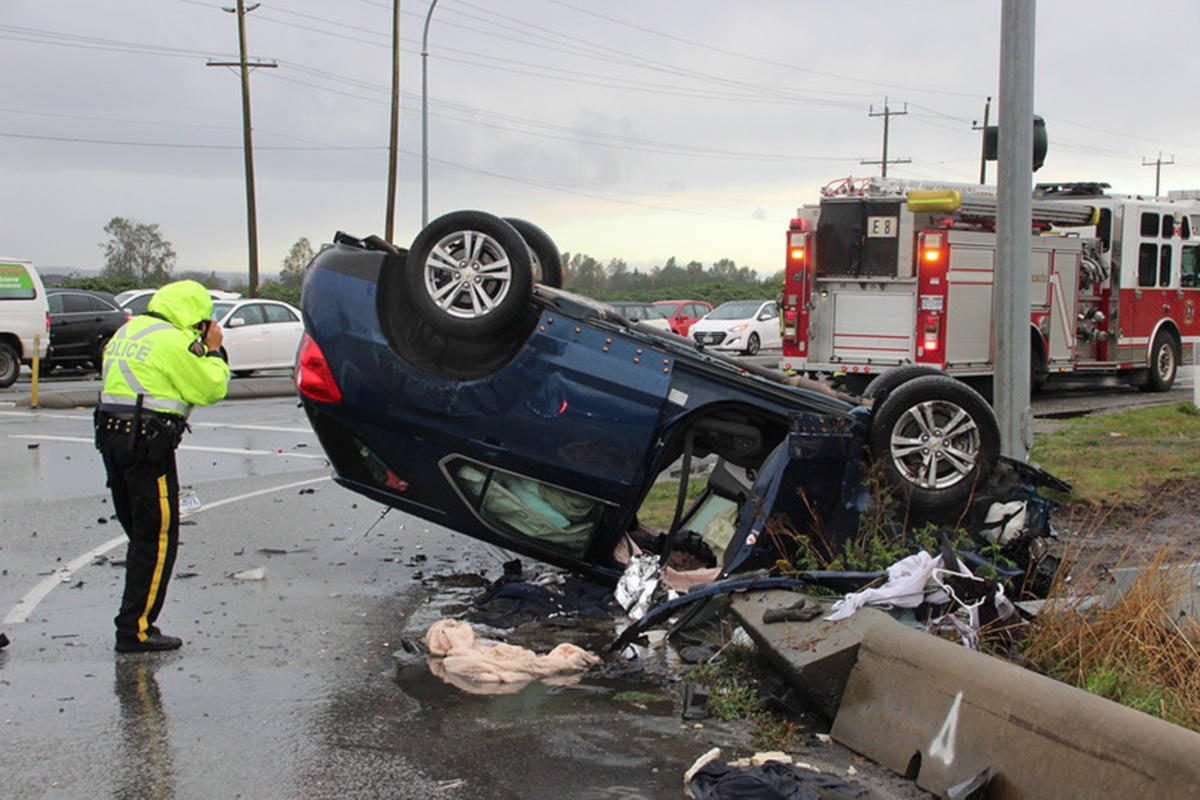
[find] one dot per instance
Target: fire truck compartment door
(969, 305)
(876, 326)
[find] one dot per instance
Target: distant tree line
(137, 256)
(717, 283)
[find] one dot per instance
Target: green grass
(1123, 457)
(658, 509)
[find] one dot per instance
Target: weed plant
(1135, 650)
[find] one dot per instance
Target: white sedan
(744, 326)
(259, 334)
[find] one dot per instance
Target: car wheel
(10, 366)
(752, 345)
(938, 442)
(243, 373)
(547, 263)
(1164, 363)
(468, 273)
(883, 383)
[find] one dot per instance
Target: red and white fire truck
(884, 272)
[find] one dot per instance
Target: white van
(24, 313)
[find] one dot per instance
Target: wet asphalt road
(287, 687)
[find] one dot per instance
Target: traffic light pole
(1014, 237)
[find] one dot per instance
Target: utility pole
(987, 111)
(1158, 164)
(395, 134)
(247, 143)
(887, 114)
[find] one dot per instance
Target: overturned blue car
(455, 380)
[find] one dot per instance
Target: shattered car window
(509, 502)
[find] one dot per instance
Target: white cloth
(904, 588)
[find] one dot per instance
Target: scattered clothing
(476, 664)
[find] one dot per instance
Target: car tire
(883, 383)
(752, 345)
(547, 262)
(938, 442)
(456, 252)
(10, 366)
(1164, 364)
(242, 373)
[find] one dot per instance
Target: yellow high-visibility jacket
(159, 355)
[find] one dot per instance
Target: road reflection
(145, 770)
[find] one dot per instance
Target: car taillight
(314, 378)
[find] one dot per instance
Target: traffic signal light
(991, 142)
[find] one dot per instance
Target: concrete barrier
(935, 711)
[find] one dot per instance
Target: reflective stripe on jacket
(151, 356)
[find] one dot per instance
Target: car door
(768, 326)
(284, 330)
(71, 320)
(247, 340)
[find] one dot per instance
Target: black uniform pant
(145, 492)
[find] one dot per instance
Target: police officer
(156, 368)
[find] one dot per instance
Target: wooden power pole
(247, 146)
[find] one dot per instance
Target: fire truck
(884, 272)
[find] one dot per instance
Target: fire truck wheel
(1164, 363)
(937, 441)
(468, 274)
(883, 383)
(543, 252)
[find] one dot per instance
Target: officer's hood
(182, 303)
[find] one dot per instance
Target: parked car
(742, 326)
(682, 313)
(135, 300)
(24, 318)
(81, 323)
(537, 422)
(645, 313)
(259, 334)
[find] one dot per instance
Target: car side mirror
(236, 322)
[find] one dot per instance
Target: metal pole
(395, 133)
(247, 147)
(1014, 238)
(425, 118)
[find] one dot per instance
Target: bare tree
(136, 251)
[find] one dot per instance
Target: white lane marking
(25, 606)
(198, 448)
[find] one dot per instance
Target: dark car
(81, 323)
(442, 381)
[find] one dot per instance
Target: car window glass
(98, 304)
(279, 314)
(555, 517)
(75, 303)
(250, 314)
(56, 303)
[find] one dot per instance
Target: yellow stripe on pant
(164, 516)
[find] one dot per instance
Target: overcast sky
(633, 130)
